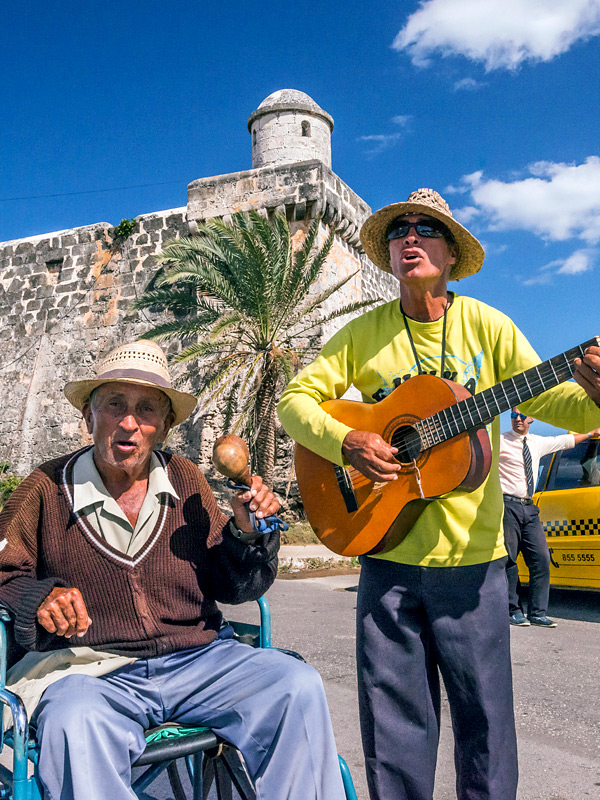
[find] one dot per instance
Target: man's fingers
(82, 621)
(46, 622)
(59, 619)
(63, 612)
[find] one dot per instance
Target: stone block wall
(66, 300)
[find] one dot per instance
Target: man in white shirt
(519, 460)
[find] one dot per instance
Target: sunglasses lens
(398, 231)
(428, 230)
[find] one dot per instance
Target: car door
(569, 503)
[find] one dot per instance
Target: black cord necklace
(412, 344)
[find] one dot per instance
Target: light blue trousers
(270, 706)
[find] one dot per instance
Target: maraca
(230, 457)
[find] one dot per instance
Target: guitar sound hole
(408, 442)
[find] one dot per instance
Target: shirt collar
(89, 488)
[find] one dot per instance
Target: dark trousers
(523, 532)
(412, 622)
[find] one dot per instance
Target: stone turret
(288, 127)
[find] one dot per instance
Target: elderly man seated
(112, 560)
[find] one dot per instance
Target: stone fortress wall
(66, 296)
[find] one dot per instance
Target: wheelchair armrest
(20, 732)
(10, 650)
(255, 635)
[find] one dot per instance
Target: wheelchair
(206, 761)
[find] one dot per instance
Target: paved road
(556, 676)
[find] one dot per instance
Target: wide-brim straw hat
(142, 363)
(373, 234)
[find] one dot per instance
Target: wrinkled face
(420, 258)
(519, 425)
(127, 421)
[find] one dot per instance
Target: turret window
(305, 128)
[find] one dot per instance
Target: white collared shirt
(92, 500)
(510, 458)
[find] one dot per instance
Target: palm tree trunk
(264, 451)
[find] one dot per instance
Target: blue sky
(492, 102)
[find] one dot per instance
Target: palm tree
(241, 295)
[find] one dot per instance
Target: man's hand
(262, 501)
(64, 613)
(587, 373)
(371, 455)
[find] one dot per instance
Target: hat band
(135, 374)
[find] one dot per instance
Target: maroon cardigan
(158, 601)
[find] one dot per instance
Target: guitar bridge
(346, 488)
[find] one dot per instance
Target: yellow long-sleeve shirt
(373, 353)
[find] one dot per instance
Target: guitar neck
(483, 407)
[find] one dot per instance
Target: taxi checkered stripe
(574, 527)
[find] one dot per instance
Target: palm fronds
(243, 299)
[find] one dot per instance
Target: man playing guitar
(435, 602)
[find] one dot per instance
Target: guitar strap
(412, 344)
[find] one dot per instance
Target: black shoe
(518, 618)
(543, 622)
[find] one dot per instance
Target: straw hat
(142, 363)
(424, 201)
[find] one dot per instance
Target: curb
(296, 556)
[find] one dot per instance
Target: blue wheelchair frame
(205, 754)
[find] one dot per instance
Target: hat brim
(183, 403)
(375, 244)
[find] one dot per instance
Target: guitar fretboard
(483, 407)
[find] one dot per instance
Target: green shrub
(125, 228)
(7, 485)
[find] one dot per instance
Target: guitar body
(350, 514)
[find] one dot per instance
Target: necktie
(528, 467)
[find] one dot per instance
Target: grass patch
(299, 533)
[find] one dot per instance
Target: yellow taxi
(568, 496)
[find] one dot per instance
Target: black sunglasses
(514, 415)
(429, 229)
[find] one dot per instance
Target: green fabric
(373, 353)
(172, 733)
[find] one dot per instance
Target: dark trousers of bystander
(412, 624)
(524, 532)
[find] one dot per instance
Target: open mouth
(410, 256)
(125, 447)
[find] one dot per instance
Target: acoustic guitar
(439, 429)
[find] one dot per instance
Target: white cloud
(468, 85)
(501, 34)
(556, 201)
(466, 214)
(380, 141)
(402, 119)
(578, 262)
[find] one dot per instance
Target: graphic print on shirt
(455, 369)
